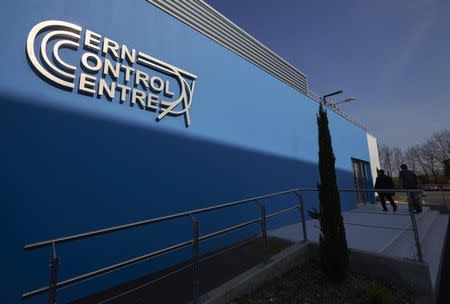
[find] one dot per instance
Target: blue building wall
(73, 163)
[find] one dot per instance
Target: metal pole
(262, 211)
(302, 215)
(414, 225)
(195, 260)
(54, 262)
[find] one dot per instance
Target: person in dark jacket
(408, 180)
(385, 182)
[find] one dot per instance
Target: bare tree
(441, 141)
(410, 157)
(422, 165)
(429, 160)
(386, 156)
(397, 160)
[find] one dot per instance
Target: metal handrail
(376, 226)
(152, 221)
(382, 190)
(181, 268)
(148, 256)
(145, 257)
(106, 270)
(54, 286)
(186, 213)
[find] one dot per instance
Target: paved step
(403, 244)
(433, 246)
(424, 226)
(443, 282)
(432, 227)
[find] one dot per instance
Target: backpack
(409, 179)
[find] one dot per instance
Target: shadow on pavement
(215, 269)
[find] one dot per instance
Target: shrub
(377, 294)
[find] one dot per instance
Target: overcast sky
(394, 56)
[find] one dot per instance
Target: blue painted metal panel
(73, 163)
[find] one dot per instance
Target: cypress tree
(333, 242)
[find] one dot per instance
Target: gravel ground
(307, 285)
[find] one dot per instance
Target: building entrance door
(361, 179)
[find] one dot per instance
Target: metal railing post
(195, 260)
(262, 211)
(54, 262)
(301, 206)
(410, 196)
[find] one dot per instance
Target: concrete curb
(436, 287)
(411, 275)
(295, 255)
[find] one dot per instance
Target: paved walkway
(367, 228)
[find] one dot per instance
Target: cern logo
(109, 69)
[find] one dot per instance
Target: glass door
(361, 179)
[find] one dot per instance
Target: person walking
(385, 182)
(408, 180)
